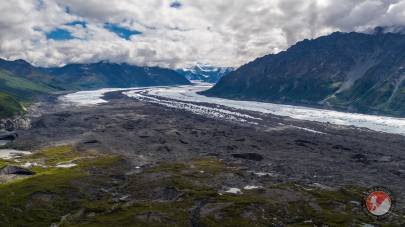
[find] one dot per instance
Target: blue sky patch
(74, 23)
(59, 34)
(120, 31)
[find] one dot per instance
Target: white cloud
(218, 32)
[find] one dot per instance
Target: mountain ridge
(101, 75)
(353, 72)
(94, 75)
(21, 81)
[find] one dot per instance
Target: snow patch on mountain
(205, 72)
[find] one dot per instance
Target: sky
(177, 33)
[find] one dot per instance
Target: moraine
(181, 95)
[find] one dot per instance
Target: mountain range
(353, 71)
(205, 72)
(22, 82)
(356, 72)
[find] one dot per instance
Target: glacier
(189, 93)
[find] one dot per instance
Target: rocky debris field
(133, 163)
(107, 190)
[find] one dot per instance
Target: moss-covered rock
(104, 190)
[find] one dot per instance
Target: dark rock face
(7, 170)
(249, 156)
(348, 71)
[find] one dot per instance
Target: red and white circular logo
(378, 202)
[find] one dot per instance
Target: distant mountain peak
(204, 72)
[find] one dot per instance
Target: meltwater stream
(188, 93)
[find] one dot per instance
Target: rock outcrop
(11, 124)
(8, 170)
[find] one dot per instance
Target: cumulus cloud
(177, 33)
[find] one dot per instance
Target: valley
(203, 163)
(202, 113)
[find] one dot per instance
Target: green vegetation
(52, 192)
(21, 88)
(308, 206)
(9, 106)
(16, 90)
(102, 190)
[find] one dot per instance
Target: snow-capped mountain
(205, 72)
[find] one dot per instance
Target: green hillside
(14, 90)
(9, 106)
(22, 89)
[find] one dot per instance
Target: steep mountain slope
(204, 72)
(347, 71)
(9, 106)
(20, 87)
(15, 90)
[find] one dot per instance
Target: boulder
(8, 136)
(360, 158)
(7, 170)
(249, 156)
